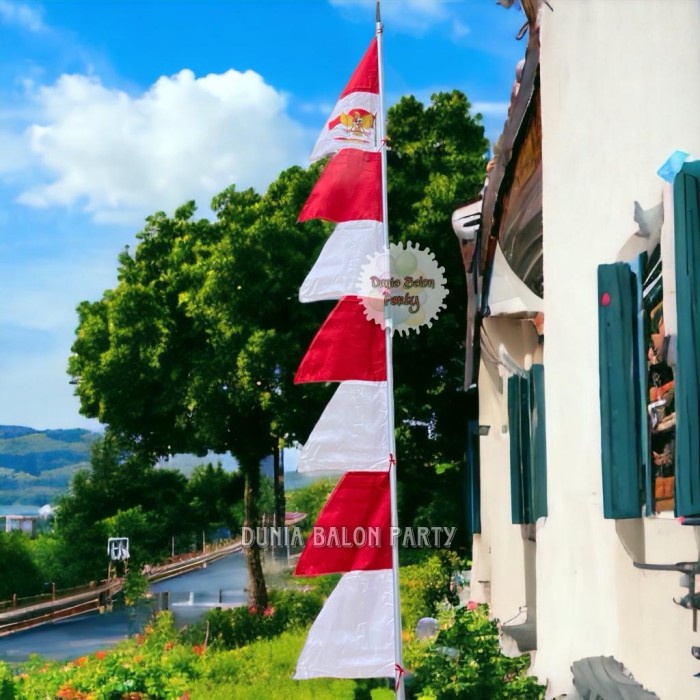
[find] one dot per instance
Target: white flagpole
(381, 117)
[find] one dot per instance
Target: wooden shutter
(539, 443)
(518, 502)
(686, 197)
(619, 395)
(528, 461)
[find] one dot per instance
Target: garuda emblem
(358, 123)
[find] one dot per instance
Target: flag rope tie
(402, 672)
(392, 460)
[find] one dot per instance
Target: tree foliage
(124, 495)
(436, 162)
(20, 575)
(196, 347)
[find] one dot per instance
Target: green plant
(236, 627)
(465, 663)
(135, 588)
(7, 687)
(424, 586)
(263, 670)
(150, 665)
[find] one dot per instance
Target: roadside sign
(118, 548)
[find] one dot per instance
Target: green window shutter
(686, 196)
(528, 459)
(619, 417)
(539, 443)
(517, 496)
(642, 386)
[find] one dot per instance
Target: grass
(264, 670)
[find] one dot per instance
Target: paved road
(84, 635)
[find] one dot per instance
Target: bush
(236, 627)
(465, 663)
(153, 665)
(135, 587)
(7, 687)
(322, 585)
(424, 586)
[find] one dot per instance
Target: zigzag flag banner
(357, 634)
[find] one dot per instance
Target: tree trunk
(257, 591)
(278, 474)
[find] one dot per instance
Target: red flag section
(352, 532)
(349, 189)
(366, 75)
(347, 346)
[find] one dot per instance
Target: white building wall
(503, 559)
(620, 86)
(498, 573)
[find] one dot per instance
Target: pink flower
(269, 611)
(472, 605)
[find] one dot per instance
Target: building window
(650, 406)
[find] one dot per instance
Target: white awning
(508, 294)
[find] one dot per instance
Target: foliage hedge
(237, 627)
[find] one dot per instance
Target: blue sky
(113, 109)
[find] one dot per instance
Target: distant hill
(36, 466)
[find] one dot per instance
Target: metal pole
(398, 651)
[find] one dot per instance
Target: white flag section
(352, 433)
(353, 635)
(336, 272)
(352, 124)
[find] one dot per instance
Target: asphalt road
(192, 595)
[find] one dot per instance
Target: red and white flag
(357, 634)
(352, 433)
(353, 121)
(353, 635)
(336, 272)
(353, 530)
(347, 346)
(349, 189)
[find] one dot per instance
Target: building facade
(583, 321)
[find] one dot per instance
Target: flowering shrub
(465, 662)
(153, 665)
(236, 627)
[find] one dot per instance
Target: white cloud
(21, 15)
(459, 30)
(120, 156)
(411, 15)
(491, 109)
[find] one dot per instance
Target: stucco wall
(620, 86)
(503, 560)
(498, 574)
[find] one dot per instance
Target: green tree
(213, 495)
(121, 495)
(436, 161)
(20, 574)
(196, 347)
